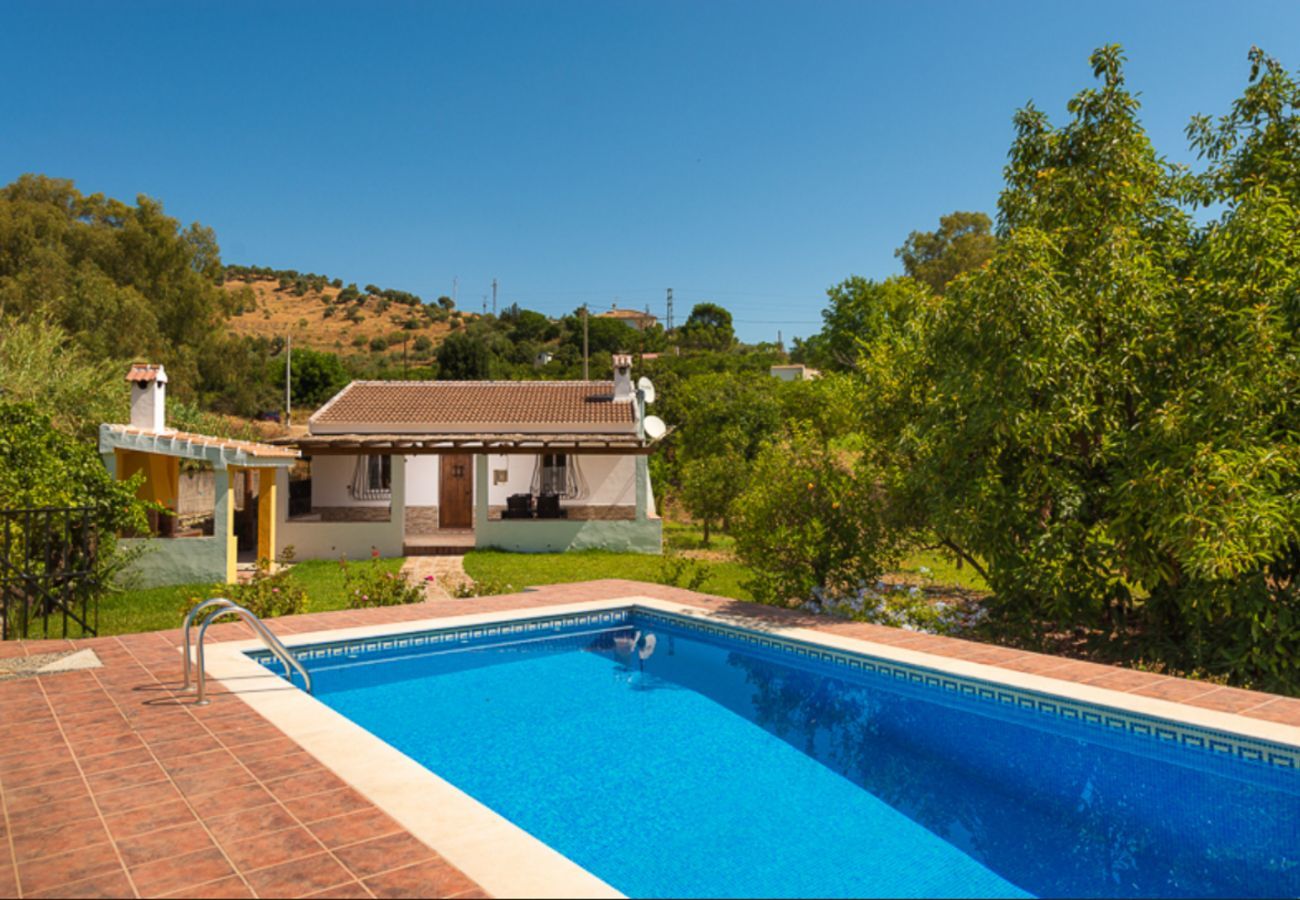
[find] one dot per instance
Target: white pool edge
(502, 858)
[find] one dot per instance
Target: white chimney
(622, 378)
(148, 397)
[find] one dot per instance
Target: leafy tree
(463, 357)
(808, 521)
(858, 310)
(710, 484)
(709, 327)
(41, 465)
(40, 365)
(963, 242)
(317, 376)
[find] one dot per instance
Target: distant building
(638, 320)
(794, 372)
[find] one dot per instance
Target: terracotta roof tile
(145, 372)
(438, 403)
(252, 448)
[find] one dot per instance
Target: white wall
(422, 476)
(348, 540)
(610, 479)
(331, 476)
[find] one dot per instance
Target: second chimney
(148, 397)
(622, 377)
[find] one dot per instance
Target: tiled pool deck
(113, 784)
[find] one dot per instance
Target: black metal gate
(48, 572)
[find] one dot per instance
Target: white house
(406, 467)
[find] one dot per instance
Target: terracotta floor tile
(42, 752)
(60, 839)
(314, 807)
(65, 868)
(183, 747)
(229, 800)
(206, 781)
(248, 823)
(107, 885)
(353, 890)
(138, 797)
(59, 769)
(87, 748)
(382, 854)
(1124, 680)
(124, 759)
(180, 872)
(298, 878)
(132, 776)
(272, 849)
(1284, 710)
(163, 844)
(283, 765)
(229, 888)
(302, 785)
(354, 828)
(1232, 700)
(156, 816)
(37, 797)
(1178, 690)
(436, 878)
(52, 815)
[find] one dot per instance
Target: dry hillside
(317, 320)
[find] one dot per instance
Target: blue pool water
(714, 767)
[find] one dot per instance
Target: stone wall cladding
(352, 513)
(421, 519)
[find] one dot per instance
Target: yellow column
(232, 545)
(266, 543)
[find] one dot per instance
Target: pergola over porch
(128, 450)
(643, 532)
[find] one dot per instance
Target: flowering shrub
(368, 584)
(487, 587)
(270, 594)
(906, 607)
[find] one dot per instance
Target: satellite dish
(647, 389)
(655, 427)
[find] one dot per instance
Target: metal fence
(49, 583)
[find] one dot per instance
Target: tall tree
(709, 327)
(964, 241)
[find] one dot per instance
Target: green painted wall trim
(558, 535)
(167, 561)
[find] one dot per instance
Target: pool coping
(508, 861)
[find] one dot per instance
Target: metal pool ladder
(225, 607)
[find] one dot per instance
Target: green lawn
(521, 570)
(154, 609)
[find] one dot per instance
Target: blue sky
(751, 153)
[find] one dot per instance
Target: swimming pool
(671, 756)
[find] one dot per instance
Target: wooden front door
(456, 492)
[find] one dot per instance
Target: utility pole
(670, 310)
(485, 304)
(584, 343)
(455, 281)
(494, 296)
(288, 379)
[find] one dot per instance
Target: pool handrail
(268, 638)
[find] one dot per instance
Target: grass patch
(522, 570)
(944, 572)
(156, 609)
